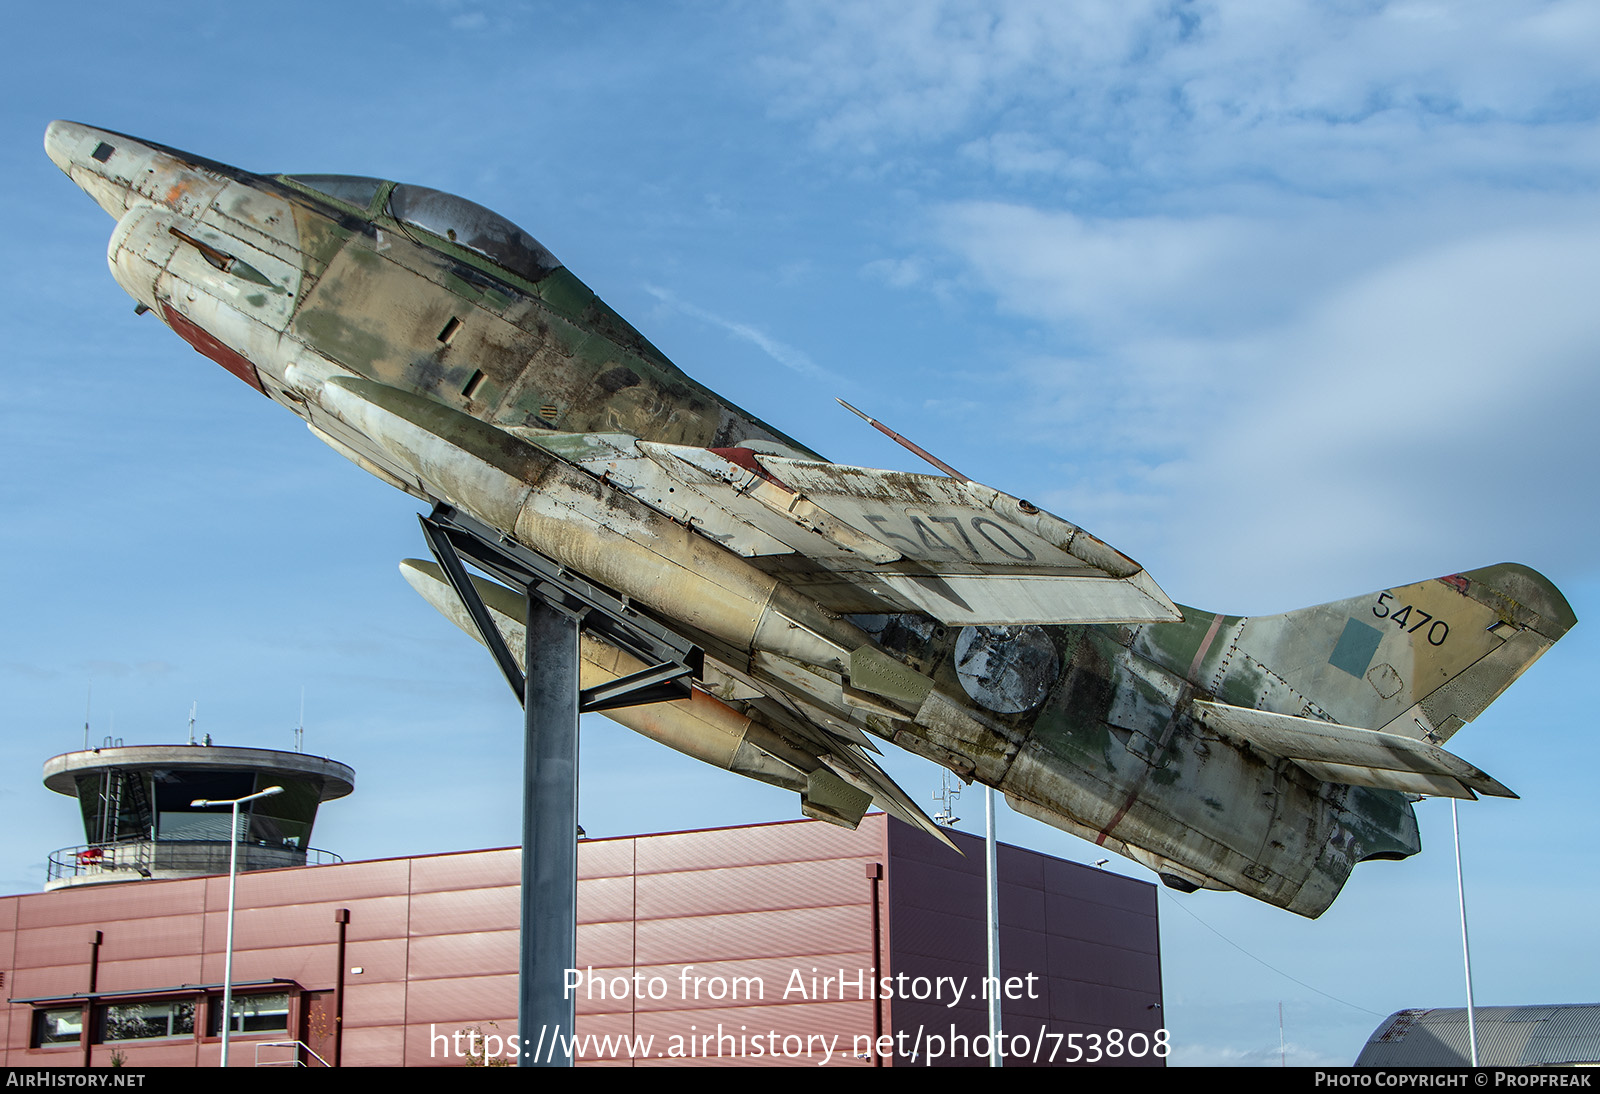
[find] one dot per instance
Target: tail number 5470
(1438, 630)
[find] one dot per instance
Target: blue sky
(1289, 302)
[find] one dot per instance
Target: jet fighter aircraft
(443, 349)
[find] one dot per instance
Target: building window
(57, 1027)
(148, 1021)
(253, 1014)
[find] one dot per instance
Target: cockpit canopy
(354, 190)
(462, 222)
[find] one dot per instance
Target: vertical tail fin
(1417, 660)
(1291, 753)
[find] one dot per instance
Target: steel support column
(560, 605)
(545, 1013)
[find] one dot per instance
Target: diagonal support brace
(444, 552)
(560, 606)
(657, 684)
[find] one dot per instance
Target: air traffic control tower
(140, 821)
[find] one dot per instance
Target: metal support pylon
(545, 1011)
(560, 607)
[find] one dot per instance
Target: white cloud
(1432, 411)
(1310, 94)
(1438, 409)
(1296, 280)
(871, 73)
(1103, 275)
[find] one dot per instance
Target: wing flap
(1361, 757)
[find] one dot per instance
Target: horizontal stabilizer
(1346, 754)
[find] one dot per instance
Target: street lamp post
(233, 875)
(1466, 948)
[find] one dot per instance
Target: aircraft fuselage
(450, 355)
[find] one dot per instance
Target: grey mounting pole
(560, 604)
(1466, 948)
(545, 1013)
(991, 911)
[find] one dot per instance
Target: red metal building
(782, 943)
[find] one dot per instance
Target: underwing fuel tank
(702, 727)
(441, 348)
(591, 527)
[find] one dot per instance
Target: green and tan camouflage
(444, 350)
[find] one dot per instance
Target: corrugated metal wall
(732, 930)
(752, 904)
(1088, 937)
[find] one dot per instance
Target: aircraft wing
(861, 540)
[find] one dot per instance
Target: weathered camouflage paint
(454, 378)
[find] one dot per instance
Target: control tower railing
(126, 859)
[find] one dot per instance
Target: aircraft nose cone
(99, 161)
(61, 142)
